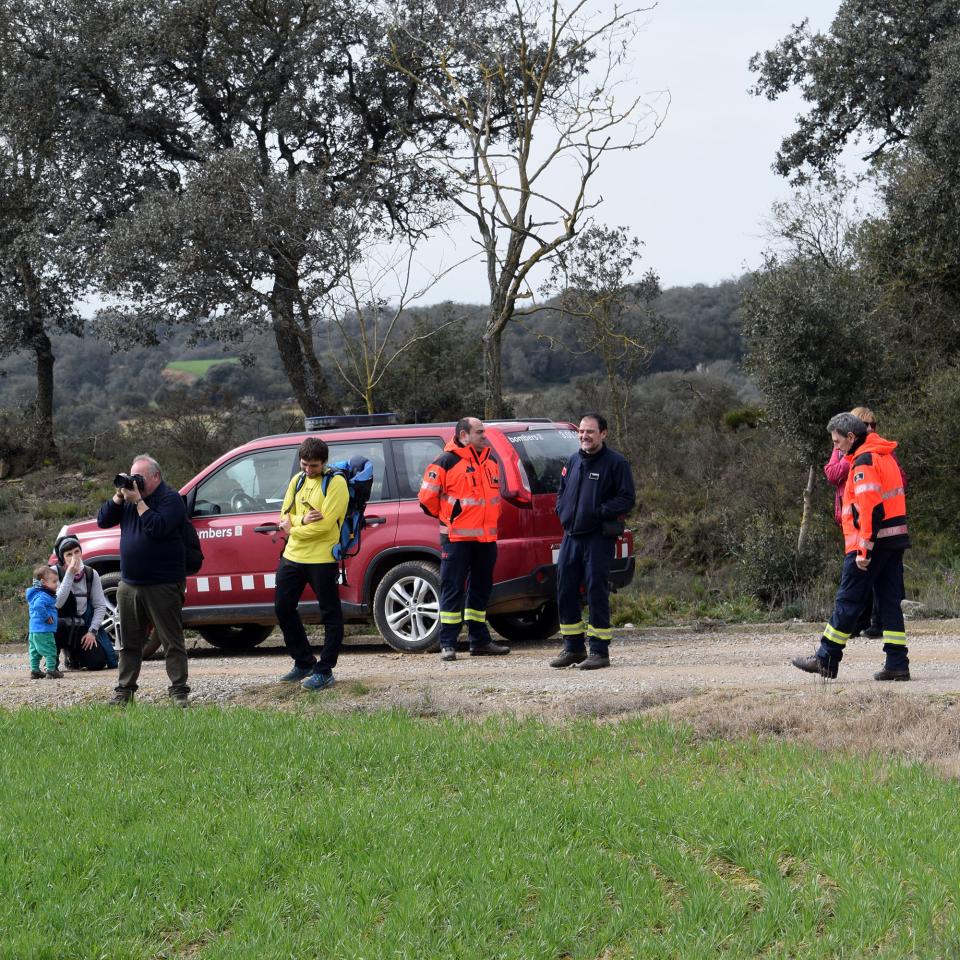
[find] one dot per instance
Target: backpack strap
(301, 479)
(328, 475)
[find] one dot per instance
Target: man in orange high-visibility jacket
(461, 488)
(874, 516)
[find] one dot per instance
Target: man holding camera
(152, 574)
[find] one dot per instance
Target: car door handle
(373, 521)
(267, 528)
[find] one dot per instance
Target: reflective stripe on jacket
(874, 501)
(461, 488)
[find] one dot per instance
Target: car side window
(254, 483)
(412, 457)
(373, 451)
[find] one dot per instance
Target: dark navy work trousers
(883, 579)
(585, 560)
(466, 569)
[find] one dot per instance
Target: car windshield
(544, 453)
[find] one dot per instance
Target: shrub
(769, 566)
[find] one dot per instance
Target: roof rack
(521, 420)
(350, 420)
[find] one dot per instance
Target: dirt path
(648, 666)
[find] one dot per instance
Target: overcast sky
(698, 193)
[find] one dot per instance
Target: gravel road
(649, 667)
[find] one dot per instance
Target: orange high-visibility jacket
(874, 503)
(461, 488)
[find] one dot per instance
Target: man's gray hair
(845, 423)
(154, 466)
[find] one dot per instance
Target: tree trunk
(295, 343)
(807, 511)
(493, 408)
(42, 440)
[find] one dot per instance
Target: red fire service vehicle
(394, 578)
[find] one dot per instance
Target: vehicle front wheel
(406, 606)
(111, 619)
(533, 625)
(234, 636)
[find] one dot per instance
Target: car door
(412, 456)
(380, 528)
(239, 563)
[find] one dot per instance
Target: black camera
(126, 482)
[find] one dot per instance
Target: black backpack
(192, 551)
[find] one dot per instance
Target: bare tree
(366, 309)
(614, 319)
(532, 90)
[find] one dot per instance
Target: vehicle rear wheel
(533, 625)
(234, 636)
(406, 606)
(111, 619)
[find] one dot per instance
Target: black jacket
(594, 488)
(151, 546)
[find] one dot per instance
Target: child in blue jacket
(42, 600)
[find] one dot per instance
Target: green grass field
(199, 367)
(235, 834)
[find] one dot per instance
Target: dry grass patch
(832, 719)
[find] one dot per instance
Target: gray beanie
(63, 545)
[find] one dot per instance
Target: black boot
(897, 666)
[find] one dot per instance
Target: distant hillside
(95, 386)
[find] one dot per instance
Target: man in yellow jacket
(313, 510)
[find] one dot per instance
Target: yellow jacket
(314, 542)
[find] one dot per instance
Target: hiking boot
(37, 675)
(874, 633)
(296, 674)
(180, 700)
(318, 681)
(448, 653)
(54, 674)
(888, 673)
(120, 698)
(488, 649)
(567, 659)
(813, 664)
(594, 662)
(70, 664)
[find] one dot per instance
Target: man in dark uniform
(596, 492)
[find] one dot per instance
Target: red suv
(395, 576)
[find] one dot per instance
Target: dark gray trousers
(160, 604)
